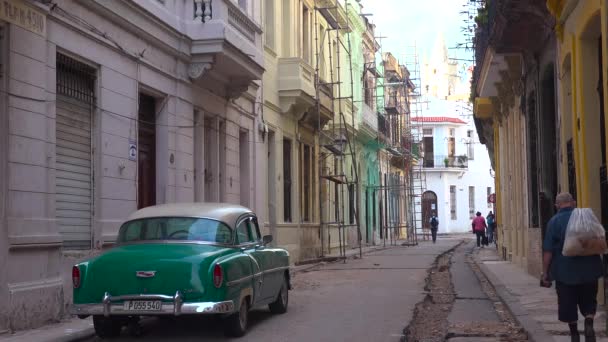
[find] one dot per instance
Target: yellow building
(298, 97)
(582, 60)
(540, 92)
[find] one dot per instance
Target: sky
(408, 22)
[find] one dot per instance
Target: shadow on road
(189, 328)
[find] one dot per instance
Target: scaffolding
(393, 108)
(418, 216)
(337, 177)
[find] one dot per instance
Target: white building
(109, 106)
(459, 176)
(458, 173)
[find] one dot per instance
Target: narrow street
(378, 298)
(461, 305)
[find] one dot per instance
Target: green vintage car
(183, 259)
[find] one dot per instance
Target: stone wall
(535, 261)
(35, 285)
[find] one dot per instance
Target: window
(471, 202)
(243, 232)
(489, 193)
(322, 53)
(175, 228)
(452, 132)
(287, 180)
(351, 204)
(453, 202)
(305, 33)
(307, 189)
(427, 132)
(269, 23)
(255, 229)
(244, 168)
(451, 146)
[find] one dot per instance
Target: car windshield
(175, 228)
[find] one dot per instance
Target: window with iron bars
(453, 202)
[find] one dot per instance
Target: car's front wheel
(236, 323)
(107, 327)
(279, 306)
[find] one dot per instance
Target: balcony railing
(445, 162)
(229, 12)
(370, 119)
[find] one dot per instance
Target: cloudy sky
(409, 22)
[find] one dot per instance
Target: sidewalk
(75, 329)
(534, 307)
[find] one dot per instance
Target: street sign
(132, 150)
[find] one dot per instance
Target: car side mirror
(267, 239)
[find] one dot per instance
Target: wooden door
(429, 205)
(146, 160)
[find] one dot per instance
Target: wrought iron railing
(443, 162)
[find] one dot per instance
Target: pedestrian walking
(479, 228)
(576, 278)
(434, 221)
(491, 221)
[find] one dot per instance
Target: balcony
(369, 119)
(226, 47)
(438, 162)
(296, 85)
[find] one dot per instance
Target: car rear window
(175, 228)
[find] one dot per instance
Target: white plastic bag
(585, 235)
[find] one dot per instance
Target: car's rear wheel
(107, 327)
(279, 306)
(236, 323)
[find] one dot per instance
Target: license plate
(142, 305)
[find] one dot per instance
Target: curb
(76, 336)
(535, 331)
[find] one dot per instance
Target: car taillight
(218, 275)
(76, 277)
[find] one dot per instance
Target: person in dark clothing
(491, 221)
(576, 278)
(479, 228)
(434, 221)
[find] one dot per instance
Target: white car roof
(225, 212)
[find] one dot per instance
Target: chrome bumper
(114, 306)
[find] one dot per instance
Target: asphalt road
(370, 299)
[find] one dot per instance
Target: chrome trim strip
(272, 270)
(249, 277)
(176, 308)
(239, 281)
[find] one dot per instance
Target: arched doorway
(429, 205)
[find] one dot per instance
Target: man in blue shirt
(576, 278)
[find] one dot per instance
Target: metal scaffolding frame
(393, 115)
(417, 180)
(335, 138)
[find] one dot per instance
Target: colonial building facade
(543, 103)
(111, 106)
